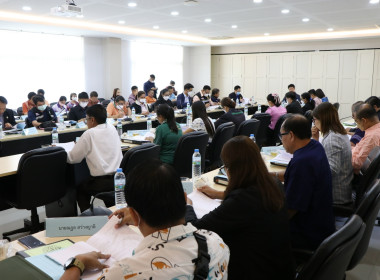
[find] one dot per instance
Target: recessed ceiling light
(121, 22)
(184, 31)
(374, 1)
(27, 8)
(330, 29)
(234, 26)
(266, 34)
(80, 16)
(305, 19)
(257, 1)
(156, 27)
(132, 4)
(208, 20)
(175, 13)
(285, 11)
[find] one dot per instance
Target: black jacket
(77, 113)
(162, 101)
(9, 117)
(233, 96)
(308, 106)
(294, 108)
(259, 240)
(233, 115)
(138, 108)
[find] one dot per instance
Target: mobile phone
(30, 242)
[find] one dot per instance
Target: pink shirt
(361, 151)
(276, 113)
(317, 101)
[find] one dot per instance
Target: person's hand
(315, 133)
(125, 215)
(348, 129)
(82, 120)
(189, 201)
(7, 125)
(207, 105)
(120, 115)
(210, 192)
(91, 260)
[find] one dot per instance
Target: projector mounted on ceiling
(70, 9)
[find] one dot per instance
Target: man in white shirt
(100, 146)
(170, 249)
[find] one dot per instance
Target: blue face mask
(42, 107)
(238, 93)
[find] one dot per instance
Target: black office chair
(19, 111)
(139, 154)
(101, 99)
(105, 103)
(336, 105)
(261, 136)
(309, 117)
(332, 257)
(248, 127)
(276, 137)
(40, 180)
(53, 103)
(223, 133)
(185, 150)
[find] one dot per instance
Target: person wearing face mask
(150, 98)
(78, 113)
(73, 101)
(118, 109)
(164, 98)
(93, 99)
(61, 107)
(186, 97)
(7, 118)
(235, 94)
(215, 97)
(41, 113)
(141, 107)
(231, 114)
(203, 95)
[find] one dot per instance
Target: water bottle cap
(196, 151)
(119, 170)
(252, 135)
(54, 128)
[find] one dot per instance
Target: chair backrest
(223, 133)
(105, 103)
(19, 111)
(367, 210)
(53, 103)
(261, 136)
(309, 116)
(278, 125)
(139, 154)
(101, 99)
(185, 150)
(332, 257)
(41, 177)
(336, 105)
(248, 127)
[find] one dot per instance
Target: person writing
(7, 118)
(94, 99)
(73, 101)
(117, 109)
(201, 121)
(163, 99)
(168, 240)
(78, 113)
(252, 216)
(41, 113)
(140, 105)
(60, 107)
(215, 97)
(231, 114)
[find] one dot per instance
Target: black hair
(152, 76)
(373, 101)
(157, 198)
(38, 98)
(71, 95)
(320, 93)
(206, 87)
(215, 91)
(98, 112)
(307, 96)
(63, 98)
(172, 82)
(199, 111)
(3, 100)
(93, 94)
(291, 95)
(366, 111)
(41, 91)
(299, 125)
(188, 86)
(119, 98)
(140, 93)
(31, 94)
(133, 88)
(272, 99)
(227, 102)
(312, 92)
(291, 85)
(169, 87)
(237, 87)
(83, 95)
(162, 92)
(167, 112)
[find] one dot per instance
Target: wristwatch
(74, 262)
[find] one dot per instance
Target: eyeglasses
(282, 134)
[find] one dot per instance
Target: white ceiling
(251, 19)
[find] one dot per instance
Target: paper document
(212, 108)
(283, 159)
(202, 204)
(67, 146)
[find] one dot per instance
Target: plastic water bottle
(119, 189)
(61, 123)
(237, 102)
(196, 170)
(246, 111)
(119, 127)
(188, 108)
(252, 136)
(54, 136)
(149, 124)
(283, 104)
(133, 114)
(259, 108)
(188, 120)
(1, 130)
(253, 100)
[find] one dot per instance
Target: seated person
(163, 99)
(215, 97)
(140, 106)
(186, 97)
(100, 146)
(61, 107)
(293, 107)
(132, 96)
(292, 88)
(252, 216)
(368, 121)
(41, 113)
(117, 108)
(93, 99)
(308, 185)
(73, 101)
(321, 95)
(7, 117)
(314, 96)
(173, 93)
(180, 248)
(309, 104)
(237, 93)
(28, 105)
(116, 92)
(231, 114)
(356, 133)
(203, 95)
(338, 151)
(150, 98)
(167, 133)
(275, 110)
(78, 113)
(42, 92)
(201, 121)
(374, 101)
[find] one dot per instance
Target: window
(30, 61)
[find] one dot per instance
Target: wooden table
(8, 165)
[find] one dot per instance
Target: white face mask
(142, 100)
(191, 93)
(83, 104)
(119, 107)
(74, 98)
(166, 98)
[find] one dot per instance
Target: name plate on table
(29, 131)
(74, 226)
(80, 125)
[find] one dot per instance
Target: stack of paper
(282, 159)
(202, 204)
(67, 146)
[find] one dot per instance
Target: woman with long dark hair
(163, 99)
(232, 115)
(116, 93)
(252, 218)
(201, 121)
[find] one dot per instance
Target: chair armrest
(343, 210)
(302, 255)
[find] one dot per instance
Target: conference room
(272, 105)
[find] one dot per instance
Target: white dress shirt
(100, 146)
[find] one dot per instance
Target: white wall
(94, 65)
(196, 67)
